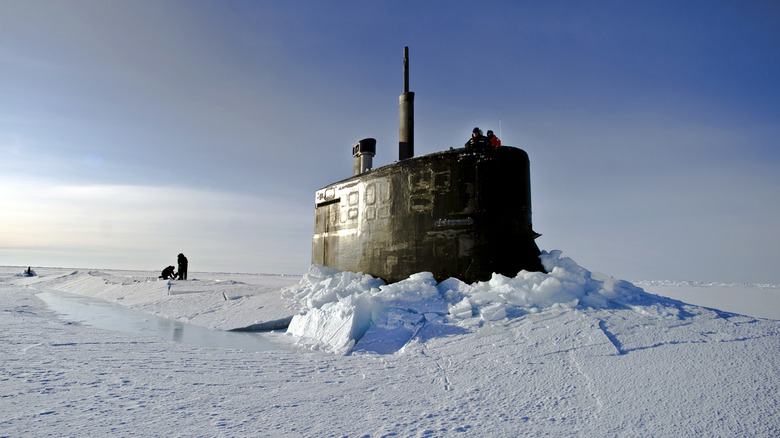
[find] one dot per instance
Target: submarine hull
(462, 213)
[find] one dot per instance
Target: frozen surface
(561, 354)
(110, 316)
(761, 300)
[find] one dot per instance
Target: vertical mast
(406, 115)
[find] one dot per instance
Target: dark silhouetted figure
(477, 140)
(168, 273)
(182, 267)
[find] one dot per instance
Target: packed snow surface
(566, 353)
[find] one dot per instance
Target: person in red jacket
(494, 141)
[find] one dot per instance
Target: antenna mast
(406, 115)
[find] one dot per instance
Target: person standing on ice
(182, 267)
(494, 141)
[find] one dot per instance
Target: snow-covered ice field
(570, 353)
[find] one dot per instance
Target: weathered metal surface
(460, 213)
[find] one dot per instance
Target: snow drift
(345, 311)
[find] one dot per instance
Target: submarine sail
(463, 213)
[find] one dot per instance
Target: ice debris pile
(345, 311)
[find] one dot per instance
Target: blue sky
(132, 131)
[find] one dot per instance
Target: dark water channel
(110, 316)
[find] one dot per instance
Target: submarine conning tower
(463, 213)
